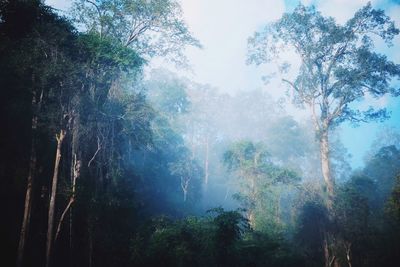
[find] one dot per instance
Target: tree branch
(76, 170)
(291, 84)
(338, 110)
(97, 151)
(100, 16)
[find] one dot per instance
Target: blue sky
(358, 139)
(223, 27)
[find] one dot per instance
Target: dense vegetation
(102, 165)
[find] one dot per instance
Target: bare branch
(76, 170)
(97, 151)
(338, 110)
(71, 201)
(99, 13)
(291, 84)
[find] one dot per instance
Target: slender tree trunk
(326, 250)
(227, 193)
(206, 162)
(330, 257)
(330, 253)
(348, 253)
(75, 167)
(184, 195)
(253, 198)
(184, 190)
(76, 171)
(278, 208)
(28, 197)
(251, 218)
(185, 187)
(60, 222)
(90, 254)
(50, 224)
(31, 176)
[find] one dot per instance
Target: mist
(183, 133)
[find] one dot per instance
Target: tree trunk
(348, 253)
(251, 218)
(90, 254)
(28, 197)
(330, 257)
(253, 198)
(326, 250)
(50, 224)
(185, 187)
(75, 166)
(278, 209)
(206, 172)
(325, 166)
(330, 253)
(184, 190)
(76, 170)
(31, 176)
(184, 195)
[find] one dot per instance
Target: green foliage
(153, 28)
(244, 155)
(260, 182)
(285, 131)
(222, 239)
(382, 168)
(105, 52)
(311, 223)
(365, 211)
(133, 154)
(168, 94)
(393, 204)
(338, 64)
(353, 208)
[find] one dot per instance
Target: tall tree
(151, 27)
(338, 66)
(254, 167)
(187, 170)
(52, 206)
(32, 46)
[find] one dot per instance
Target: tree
(338, 67)
(167, 93)
(36, 48)
(382, 168)
(309, 234)
(150, 27)
(353, 210)
(392, 226)
(387, 136)
(253, 166)
(187, 170)
(52, 206)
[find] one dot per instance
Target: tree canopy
(105, 162)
